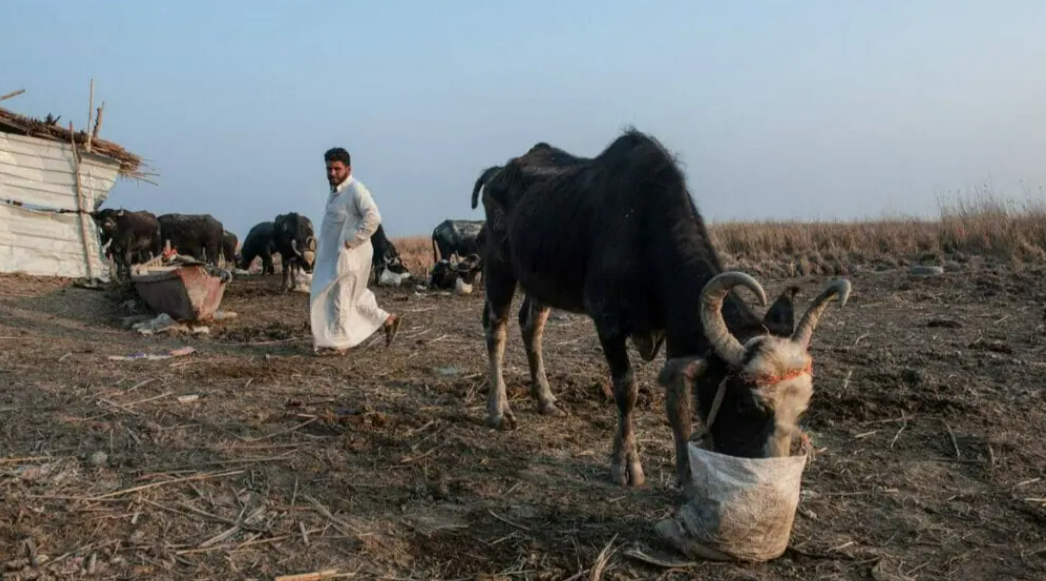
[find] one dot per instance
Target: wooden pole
(98, 121)
(90, 110)
(81, 203)
(11, 94)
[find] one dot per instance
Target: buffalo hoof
(633, 476)
(551, 408)
(685, 484)
(505, 421)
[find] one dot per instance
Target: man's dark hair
(338, 154)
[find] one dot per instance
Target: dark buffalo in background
(229, 243)
(386, 266)
(295, 240)
(134, 236)
(452, 237)
(258, 242)
(196, 235)
(460, 275)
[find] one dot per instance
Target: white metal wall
(42, 173)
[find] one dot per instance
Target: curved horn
(724, 342)
(294, 247)
(808, 323)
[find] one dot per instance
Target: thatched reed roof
(11, 122)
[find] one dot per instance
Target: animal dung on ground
(740, 508)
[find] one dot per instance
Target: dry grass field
(983, 225)
(251, 458)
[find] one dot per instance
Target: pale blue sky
(779, 109)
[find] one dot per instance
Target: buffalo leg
(213, 252)
(679, 409)
(127, 257)
(625, 467)
(532, 318)
(497, 303)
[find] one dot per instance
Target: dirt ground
(929, 419)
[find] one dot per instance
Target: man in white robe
(343, 311)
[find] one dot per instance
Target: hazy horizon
(815, 110)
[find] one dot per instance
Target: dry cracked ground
(251, 458)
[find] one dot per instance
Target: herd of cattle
(132, 237)
(616, 237)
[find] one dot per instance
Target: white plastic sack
(303, 284)
(740, 509)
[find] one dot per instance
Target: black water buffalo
(458, 237)
(258, 242)
(196, 235)
(229, 243)
(617, 237)
(460, 275)
(295, 240)
(132, 236)
(386, 266)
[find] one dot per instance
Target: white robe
(343, 311)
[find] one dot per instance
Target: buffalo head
(754, 389)
(294, 232)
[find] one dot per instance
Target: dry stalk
(281, 432)
(904, 425)
(164, 483)
(314, 576)
(951, 434)
(343, 527)
(602, 560)
(27, 459)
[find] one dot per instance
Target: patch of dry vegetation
(983, 225)
(415, 252)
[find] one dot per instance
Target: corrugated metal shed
(42, 173)
(44, 194)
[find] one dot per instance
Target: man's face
(337, 172)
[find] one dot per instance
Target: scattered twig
(315, 576)
(164, 483)
(901, 429)
(149, 399)
(639, 555)
(955, 444)
(846, 380)
(508, 522)
(281, 432)
(602, 560)
(343, 527)
(25, 459)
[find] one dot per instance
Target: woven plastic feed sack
(740, 509)
(303, 283)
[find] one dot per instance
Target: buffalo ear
(780, 317)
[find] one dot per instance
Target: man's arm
(371, 217)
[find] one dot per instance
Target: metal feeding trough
(187, 290)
